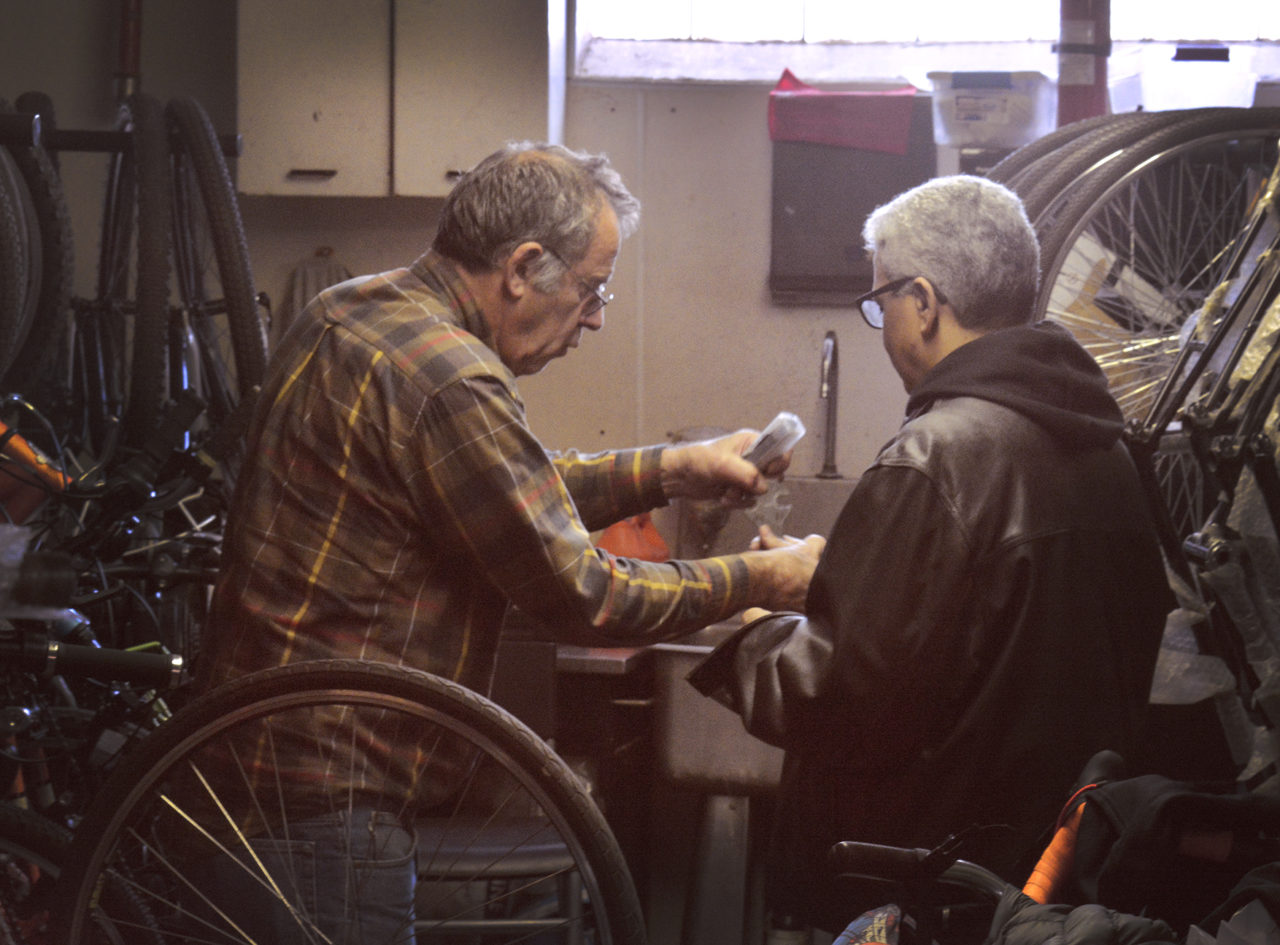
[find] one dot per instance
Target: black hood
(1040, 371)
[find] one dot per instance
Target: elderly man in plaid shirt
(395, 502)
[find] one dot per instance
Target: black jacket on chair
(985, 617)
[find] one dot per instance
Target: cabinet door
(314, 97)
(470, 75)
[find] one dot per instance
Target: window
(928, 21)
(746, 39)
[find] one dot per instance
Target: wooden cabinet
(378, 97)
(313, 103)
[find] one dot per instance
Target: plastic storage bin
(992, 109)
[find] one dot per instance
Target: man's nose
(594, 321)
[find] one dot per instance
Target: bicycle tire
(147, 391)
(32, 244)
(1059, 172)
(14, 260)
(1010, 167)
(129, 372)
(28, 372)
(214, 274)
(264, 708)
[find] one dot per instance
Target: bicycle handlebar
(911, 865)
(37, 653)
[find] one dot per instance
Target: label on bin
(988, 109)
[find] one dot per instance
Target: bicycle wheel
(1047, 179)
(15, 269)
(1140, 245)
(239, 775)
(118, 349)
(219, 344)
(27, 374)
(1009, 168)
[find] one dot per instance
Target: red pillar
(1083, 47)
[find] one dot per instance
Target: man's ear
(927, 307)
(516, 279)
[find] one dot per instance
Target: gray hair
(531, 191)
(970, 237)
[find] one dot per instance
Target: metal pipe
(829, 392)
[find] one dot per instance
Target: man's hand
(715, 469)
(781, 568)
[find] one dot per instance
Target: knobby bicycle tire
(458, 743)
(214, 275)
(35, 358)
(125, 379)
(33, 245)
(14, 260)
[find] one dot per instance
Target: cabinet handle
(311, 173)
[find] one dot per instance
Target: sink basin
(796, 505)
(701, 743)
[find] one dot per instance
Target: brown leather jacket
(985, 617)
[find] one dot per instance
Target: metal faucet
(829, 391)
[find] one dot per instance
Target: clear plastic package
(781, 435)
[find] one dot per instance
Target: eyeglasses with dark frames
(591, 298)
(871, 309)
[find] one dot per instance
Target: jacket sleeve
(1019, 920)
(879, 654)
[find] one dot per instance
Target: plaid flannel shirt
(394, 501)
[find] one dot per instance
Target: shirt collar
(441, 275)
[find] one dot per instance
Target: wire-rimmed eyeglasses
(591, 298)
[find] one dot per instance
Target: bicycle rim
(167, 814)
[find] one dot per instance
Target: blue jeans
(353, 875)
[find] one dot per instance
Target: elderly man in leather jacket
(988, 609)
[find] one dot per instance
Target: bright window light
(930, 21)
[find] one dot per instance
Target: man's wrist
(671, 471)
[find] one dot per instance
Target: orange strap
(1055, 863)
(19, 450)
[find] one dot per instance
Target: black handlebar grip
(158, 670)
(872, 859)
